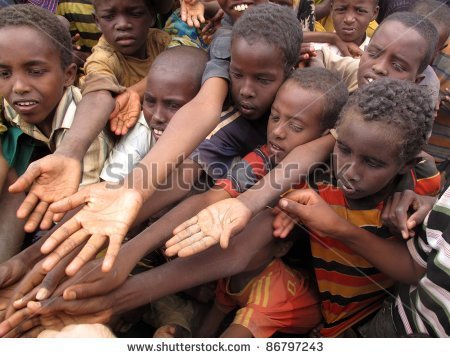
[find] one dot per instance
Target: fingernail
(70, 296)
(283, 203)
(42, 294)
(19, 301)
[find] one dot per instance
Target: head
(173, 80)
(351, 18)
(305, 107)
(275, 249)
(439, 14)
(35, 61)
(125, 24)
(235, 8)
(401, 48)
(381, 129)
(265, 47)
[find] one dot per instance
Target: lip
(348, 190)
(244, 5)
(157, 132)
(369, 78)
(246, 108)
(275, 148)
(25, 106)
(125, 40)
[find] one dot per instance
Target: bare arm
(211, 323)
(323, 9)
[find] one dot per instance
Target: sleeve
(345, 67)
(101, 69)
(127, 153)
(246, 173)
(219, 54)
(94, 159)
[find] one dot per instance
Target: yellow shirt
(108, 69)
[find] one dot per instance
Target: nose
(349, 17)
(122, 23)
(279, 131)
(380, 67)
(20, 86)
(158, 116)
(351, 173)
(247, 90)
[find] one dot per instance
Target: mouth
(25, 106)
(246, 108)
(347, 188)
(275, 148)
(157, 132)
(240, 7)
(369, 79)
(348, 30)
(125, 41)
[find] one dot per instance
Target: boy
(173, 80)
(351, 19)
(39, 99)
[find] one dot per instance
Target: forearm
(193, 122)
(90, 118)
(211, 323)
(139, 88)
(183, 273)
(389, 256)
(291, 170)
(327, 37)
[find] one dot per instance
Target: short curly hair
(274, 24)
(327, 85)
(42, 21)
(422, 26)
(403, 105)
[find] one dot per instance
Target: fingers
(27, 206)
(184, 226)
(90, 249)
(115, 242)
(36, 216)
(183, 241)
(10, 324)
(197, 246)
(75, 239)
(71, 202)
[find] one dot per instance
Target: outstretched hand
(108, 213)
(215, 224)
(192, 12)
(49, 179)
(126, 112)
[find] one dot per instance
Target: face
(125, 25)
(366, 157)
(166, 93)
(444, 33)
(294, 119)
(31, 77)
(351, 18)
(237, 7)
(256, 72)
(391, 55)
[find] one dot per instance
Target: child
(39, 100)
(173, 80)
(381, 130)
(351, 19)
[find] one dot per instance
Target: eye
(373, 53)
(343, 149)
(5, 74)
(374, 164)
(398, 67)
(274, 117)
(36, 71)
(235, 75)
(137, 13)
(264, 81)
(295, 127)
(173, 106)
(361, 11)
(148, 100)
(107, 17)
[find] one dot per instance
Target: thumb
(291, 207)
(26, 179)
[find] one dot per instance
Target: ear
(70, 74)
(419, 78)
(375, 12)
